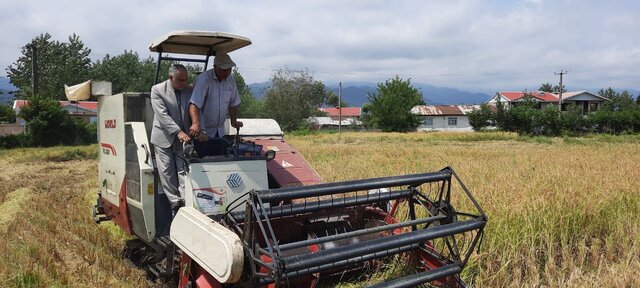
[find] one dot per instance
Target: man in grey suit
(170, 100)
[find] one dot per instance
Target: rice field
(563, 212)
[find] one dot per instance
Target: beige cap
(223, 61)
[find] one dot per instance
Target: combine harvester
(260, 216)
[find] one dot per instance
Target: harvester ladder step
(164, 241)
(157, 271)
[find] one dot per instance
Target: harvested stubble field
(562, 212)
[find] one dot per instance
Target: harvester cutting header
(258, 215)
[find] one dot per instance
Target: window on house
(593, 106)
(428, 121)
(453, 121)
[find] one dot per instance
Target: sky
(477, 46)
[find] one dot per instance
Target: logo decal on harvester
(234, 180)
(286, 164)
(108, 149)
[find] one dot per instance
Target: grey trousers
(171, 171)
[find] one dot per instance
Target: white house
(444, 117)
(350, 117)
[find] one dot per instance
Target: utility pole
(562, 72)
(340, 107)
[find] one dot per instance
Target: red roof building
(352, 112)
(88, 105)
(85, 110)
(588, 101)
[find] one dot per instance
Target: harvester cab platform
(258, 215)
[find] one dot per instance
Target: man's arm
(233, 116)
(198, 95)
(194, 112)
(234, 103)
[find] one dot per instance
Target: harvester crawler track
(296, 235)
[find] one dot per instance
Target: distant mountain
(357, 95)
(5, 86)
(450, 96)
(258, 89)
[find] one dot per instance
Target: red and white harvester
(260, 216)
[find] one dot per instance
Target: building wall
(10, 129)
(494, 101)
(441, 123)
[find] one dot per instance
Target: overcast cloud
(481, 46)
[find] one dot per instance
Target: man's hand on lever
(183, 137)
(236, 124)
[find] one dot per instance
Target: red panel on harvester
(289, 168)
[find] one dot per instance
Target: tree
(619, 101)
(6, 114)
(332, 100)
(127, 72)
(250, 107)
(549, 88)
(390, 106)
(293, 97)
(556, 89)
(47, 123)
(573, 120)
(57, 63)
(522, 117)
(481, 118)
(547, 121)
(546, 87)
(608, 93)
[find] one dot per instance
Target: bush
(615, 122)
(547, 121)
(15, 141)
(6, 114)
(48, 124)
(573, 121)
(86, 133)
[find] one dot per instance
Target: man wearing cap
(214, 95)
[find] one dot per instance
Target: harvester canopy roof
(198, 43)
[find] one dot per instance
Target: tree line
(621, 114)
(291, 97)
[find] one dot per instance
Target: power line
(405, 74)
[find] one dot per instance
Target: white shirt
(221, 95)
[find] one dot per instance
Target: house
(512, 99)
(353, 113)
(587, 100)
(350, 117)
(85, 110)
(444, 117)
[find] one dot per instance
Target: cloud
(474, 45)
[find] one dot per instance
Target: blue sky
(480, 46)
